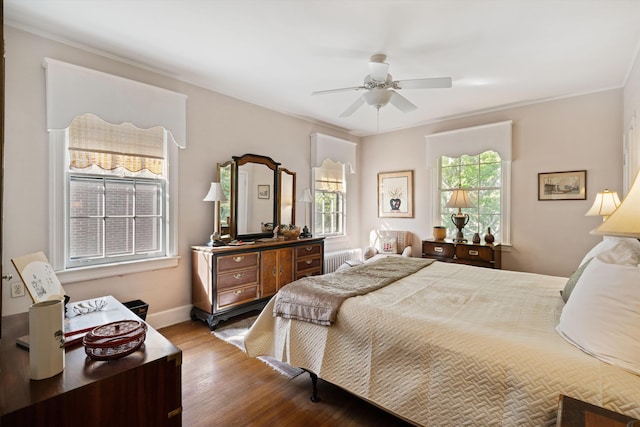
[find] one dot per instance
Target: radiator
(333, 260)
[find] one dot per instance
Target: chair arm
(370, 252)
(407, 251)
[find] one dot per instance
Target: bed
(459, 345)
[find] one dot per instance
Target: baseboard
(169, 317)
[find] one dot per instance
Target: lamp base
(305, 232)
(214, 240)
(460, 221)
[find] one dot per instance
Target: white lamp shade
(215, 193)
(606, 202)
(460, 199)
(305, 197)
(624, 221)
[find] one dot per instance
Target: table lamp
(623, 222)
(306, 198)
(215, 195)
(606, 202)
(459, 199)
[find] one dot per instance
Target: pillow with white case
(602, 316)
(616, 250)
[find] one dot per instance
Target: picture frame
(264, 192)
(395, 194)
(569, 185)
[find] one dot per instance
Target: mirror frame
(232, 190)
(293, 195)
(262, 160)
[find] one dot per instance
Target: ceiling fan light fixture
(377, 98)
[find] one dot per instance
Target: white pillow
(602, 317)
(616, 250)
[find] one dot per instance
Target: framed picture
(395, 194)
(570, 185)
(263, 192)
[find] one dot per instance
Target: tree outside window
(480, 175)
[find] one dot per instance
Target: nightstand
(576, 413)
(478, 254)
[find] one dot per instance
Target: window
(329, 199)
(330, 158)
(120, 177)
(480, 175)
(111, 189)
(114, 219)
(478, 159)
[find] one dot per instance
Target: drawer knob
(308, 262)
(238, 275)
(473, 253)
(438, 249)
(239, 291)
(309, 248)
(238, 258)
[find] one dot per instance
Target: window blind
(96, 143)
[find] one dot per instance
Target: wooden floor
(221, 386)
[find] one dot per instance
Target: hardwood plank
(222, 386)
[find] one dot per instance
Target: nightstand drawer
(438, 249)
(474, 253)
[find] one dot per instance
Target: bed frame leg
(314, 386)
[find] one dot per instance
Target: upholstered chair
(384, 243)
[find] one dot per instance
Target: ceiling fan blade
(344, 89)
(432, 83)
(401, 102)
(353, 107)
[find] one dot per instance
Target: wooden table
(142, 389)
(576, 413)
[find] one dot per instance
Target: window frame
(344, 196)
(472, 141)
(471, 189)
(58, 201)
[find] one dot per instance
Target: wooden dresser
(478, 254)
(231, 280)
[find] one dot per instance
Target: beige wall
(582, 132)
(548, 237)
(218, 127)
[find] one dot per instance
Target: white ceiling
(274, 53)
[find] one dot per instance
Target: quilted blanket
(452, 345)
(317, 299)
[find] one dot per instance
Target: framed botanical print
(395, 194)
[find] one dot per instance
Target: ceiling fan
(381, 88)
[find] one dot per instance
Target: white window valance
(471, 141)
(325, 147)
(73, 91)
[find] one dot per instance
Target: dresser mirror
(226, 179)
(286, 196)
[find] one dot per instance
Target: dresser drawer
(438, 249)
(474, 253)
(235, 262)
(308, 272)
(308, 264)
(237, 296)
(237, 278)
(308, 250)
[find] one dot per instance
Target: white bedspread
(452, 345)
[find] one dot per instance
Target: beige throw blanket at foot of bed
(317, 299)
